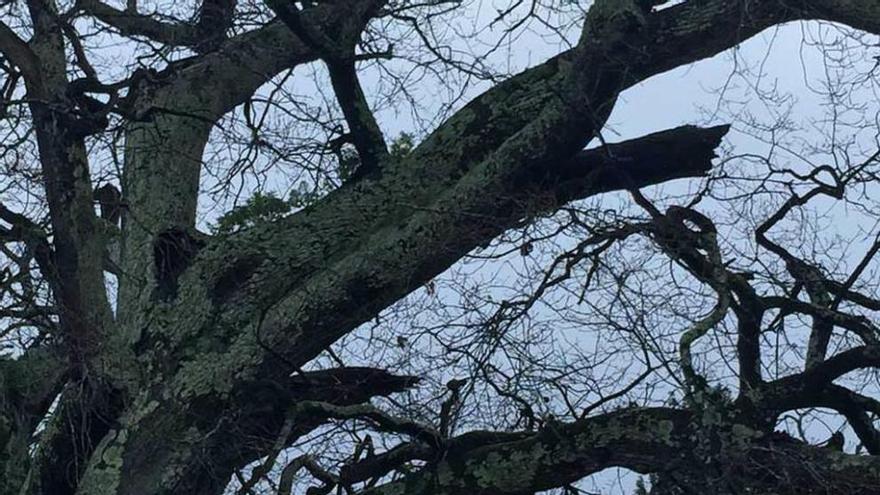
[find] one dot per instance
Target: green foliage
(402, 146)
(265, 207)
(259, 208)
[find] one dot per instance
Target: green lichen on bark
(507, 471)
(103, 475)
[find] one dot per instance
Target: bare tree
(148, 357)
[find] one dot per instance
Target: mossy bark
(184, 371)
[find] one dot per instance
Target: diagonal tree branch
(383, 421)
(339, 55)
(366, 135)
(355, 282)
(646, 441)
(297, 285)
(797, 392)
(131, 23)
(17, 51)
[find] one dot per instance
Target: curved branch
(843, 363)
(856, 407)
(859, 325)
(806, 389)
(788, 395)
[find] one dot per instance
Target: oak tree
(145, 355)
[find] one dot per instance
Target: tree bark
(293, 286)
(210, 329)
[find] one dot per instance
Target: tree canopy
(446, 306)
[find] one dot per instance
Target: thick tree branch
(749, 314)
(20, 54)
(692, 30)
(842, 292)
(366, 135)
(28, 386)
(77, 257)
(646, 441)
(857, 324)
(856, 409)
(559, 454)
(798, 392)
(131, 23)
(265, 406)
(814, 387)
(356, 282)
(164, 152)
(214, 18)
(339, 55)
(79, 292)
(285, 483)
(379, 465)
(843, 363)
(226, 77)
(302, 405)
(25, 230)
(299, 284)
(382, 420)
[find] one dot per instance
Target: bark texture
(195, 374)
